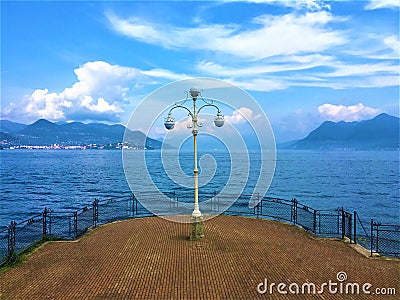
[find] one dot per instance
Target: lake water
(367, 182)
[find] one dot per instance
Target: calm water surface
(364, 181)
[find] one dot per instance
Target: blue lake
(365, 181)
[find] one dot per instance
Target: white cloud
(343, 70)
(305, 70)
(376, 4)
(260, 85)
(297, 4)
(295, 49)
(167, 74)
(101, 79)
(383, 81)
(46, 105)
(347, 113)
(289, 63)
(271, 35)
(101, 106)
(393, 43)
(167, 35)
(378, 46)
(241, 115)
(99, 94)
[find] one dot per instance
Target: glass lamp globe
(169, 122)
(194, 92)
(219, 120)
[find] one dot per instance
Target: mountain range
(379, 133)
(45, 133)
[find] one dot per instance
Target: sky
(304, 61)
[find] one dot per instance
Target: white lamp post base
(196, 213)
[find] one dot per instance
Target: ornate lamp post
(196, 220)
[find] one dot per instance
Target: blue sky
(303, 61)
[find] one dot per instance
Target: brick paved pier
(151, 258)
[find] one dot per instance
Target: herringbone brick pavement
(151, 258)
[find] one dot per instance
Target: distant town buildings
(117, 146)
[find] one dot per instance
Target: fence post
(343, 224)
(355, 227)
(44, 221)
(377, 237)
(133, 204)
(258, 209)
(315, 221)
(11, 238)
(136, 206)
(350, 225)
(95, 212)
(294, 201)
(371, 237)
(75, 224)
(319, 223)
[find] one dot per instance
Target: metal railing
(18, 237)
(385, 238)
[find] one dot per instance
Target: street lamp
(196, 220)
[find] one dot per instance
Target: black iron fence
(64, 225)
(385, 238)
(18, 237)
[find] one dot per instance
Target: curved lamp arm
(181, 106)
(209, 104)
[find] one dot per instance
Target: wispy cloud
(163, 73)
(298, 4)
(344, 70)
(287, 63)
(381, 47)
(377, 4)
(267, 76)
(276, 52)
(168, 36)
(269, 35)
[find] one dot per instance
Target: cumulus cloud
(269, 35)
(350, 113)
(241, 115)
(101, 106)
(100, 93)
